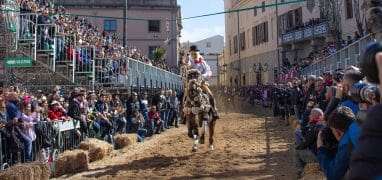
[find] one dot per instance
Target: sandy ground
(250, 144)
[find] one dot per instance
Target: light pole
(124, 23)
(259, 69)
(278, 43)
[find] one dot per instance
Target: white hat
(55, 102)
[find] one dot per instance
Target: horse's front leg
(204, 124)
(211, 128)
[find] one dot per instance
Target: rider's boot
(212, 102)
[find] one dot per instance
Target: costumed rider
(196, 61)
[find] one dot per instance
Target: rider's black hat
(194, 48)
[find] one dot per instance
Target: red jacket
(154, 116)
(55, 115)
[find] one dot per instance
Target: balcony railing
(118, 3)
(349, 55)
(305, 33)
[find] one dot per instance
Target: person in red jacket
(154, 117)
(56, 112)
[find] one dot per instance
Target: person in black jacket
(75, 111)
(132, 105)
(310, 94)
(321, 93)
(295, 97)
(307, 150)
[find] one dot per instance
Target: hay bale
(71, 162)
(125, 140)
(97, 149)
(313, 171)
(32, 171)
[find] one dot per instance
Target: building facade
(150, 24)
(250, 39)
(272, 37)
(210, 48)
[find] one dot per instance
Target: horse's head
(194, 88)
(193, 83)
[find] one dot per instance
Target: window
(208, 44)
(242, 41)
(235, 48)
(298, 16)
(110, 25)
(154, 26)
(260, 34)
(255, 11)
(349, 9)
(151, 51)
(263, 6)
(254, 36)
(265, 31)
(230, 47)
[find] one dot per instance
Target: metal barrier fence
(111, 72)
(27, 26)
(45, 35)
(84, 65)
(347, 56)
(145, 75)
(52, 138)
(10, 16)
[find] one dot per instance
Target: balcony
(118, 3)
(306, 33)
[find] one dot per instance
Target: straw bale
(30, 171)
(71, 162)
(125, 140)
(97, 149)
(313, 171)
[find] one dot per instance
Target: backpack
(43, 134)
(13, 143)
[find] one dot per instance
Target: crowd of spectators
(55, 22)
(310, 23)
(328, 116)
(99, 115)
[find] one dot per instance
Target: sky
(204, 27)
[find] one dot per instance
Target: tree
(374, 17)
(331, 9)
(158, 55)
(359, 19)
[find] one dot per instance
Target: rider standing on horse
(196, 61)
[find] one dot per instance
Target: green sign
(18, 62)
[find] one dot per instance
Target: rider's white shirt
(202, 67)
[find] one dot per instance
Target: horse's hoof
(201, 141)
(190, 134)
(194, 148)
(212, 147)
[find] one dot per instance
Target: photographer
(306, 149)
(345, 129)
(366, 160)
(342, 97)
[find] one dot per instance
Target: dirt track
(248, 146)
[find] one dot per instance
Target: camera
(329, 141)
(365, 93)
(338, 75)
(368, 64)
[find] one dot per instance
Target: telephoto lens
(365, 93)
(367, 63)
